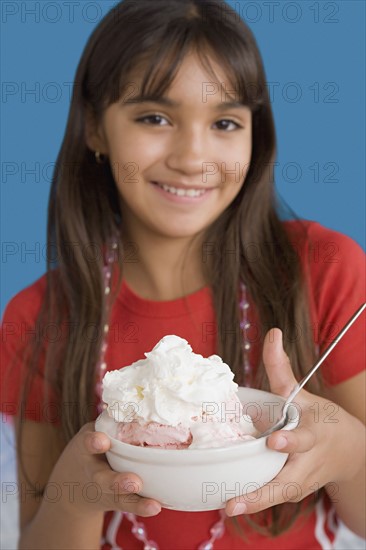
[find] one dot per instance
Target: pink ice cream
(152, 434)
(176, 399)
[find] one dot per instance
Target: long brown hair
(84, 203)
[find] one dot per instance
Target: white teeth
(182, 192)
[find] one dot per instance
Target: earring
(99, 157)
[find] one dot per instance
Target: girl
(163, 216)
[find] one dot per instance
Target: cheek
(235, 168)
(125, 163)
(133, 155)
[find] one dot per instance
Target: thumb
(277, 364)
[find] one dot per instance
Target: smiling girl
(167, 205)
(164, 187)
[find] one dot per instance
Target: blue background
(314, 54)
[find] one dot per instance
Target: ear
(94, 134)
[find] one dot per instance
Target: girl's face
(177, 162)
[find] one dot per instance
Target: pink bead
(151, 545)
(130, 517)
(206, 545)
(217, 530)
(139, 531)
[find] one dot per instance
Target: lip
(181, 200)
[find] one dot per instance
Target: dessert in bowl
(180, 423)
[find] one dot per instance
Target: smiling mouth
(179, 191)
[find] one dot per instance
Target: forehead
(193, 70)
(193, 75)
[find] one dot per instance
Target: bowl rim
(195, 453)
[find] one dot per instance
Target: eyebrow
(166, 102)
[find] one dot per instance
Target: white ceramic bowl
(204, 479)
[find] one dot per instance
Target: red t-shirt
(334, 266)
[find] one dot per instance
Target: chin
(179, 231)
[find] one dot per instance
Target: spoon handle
(325, 354)
(282, 420)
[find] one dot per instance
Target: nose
(188, 151)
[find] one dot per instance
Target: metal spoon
(283, 419)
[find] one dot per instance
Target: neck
(161, 268)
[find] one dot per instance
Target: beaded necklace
(138, 529)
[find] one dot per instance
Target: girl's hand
(325, 449)
(95, 486)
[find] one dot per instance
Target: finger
(277, 364)
(96, 442)
(277, 491)
(147, 507)
(140, 506)
(300, 440)
(121, 490)
(118, 483)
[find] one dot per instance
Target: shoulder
(20, 334)
(325, 254)
(333, 263)
(334, 269)
(306, 232)
(26, 303)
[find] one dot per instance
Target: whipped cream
(175, 386)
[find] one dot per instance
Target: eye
(228, 125)
(153, 120)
